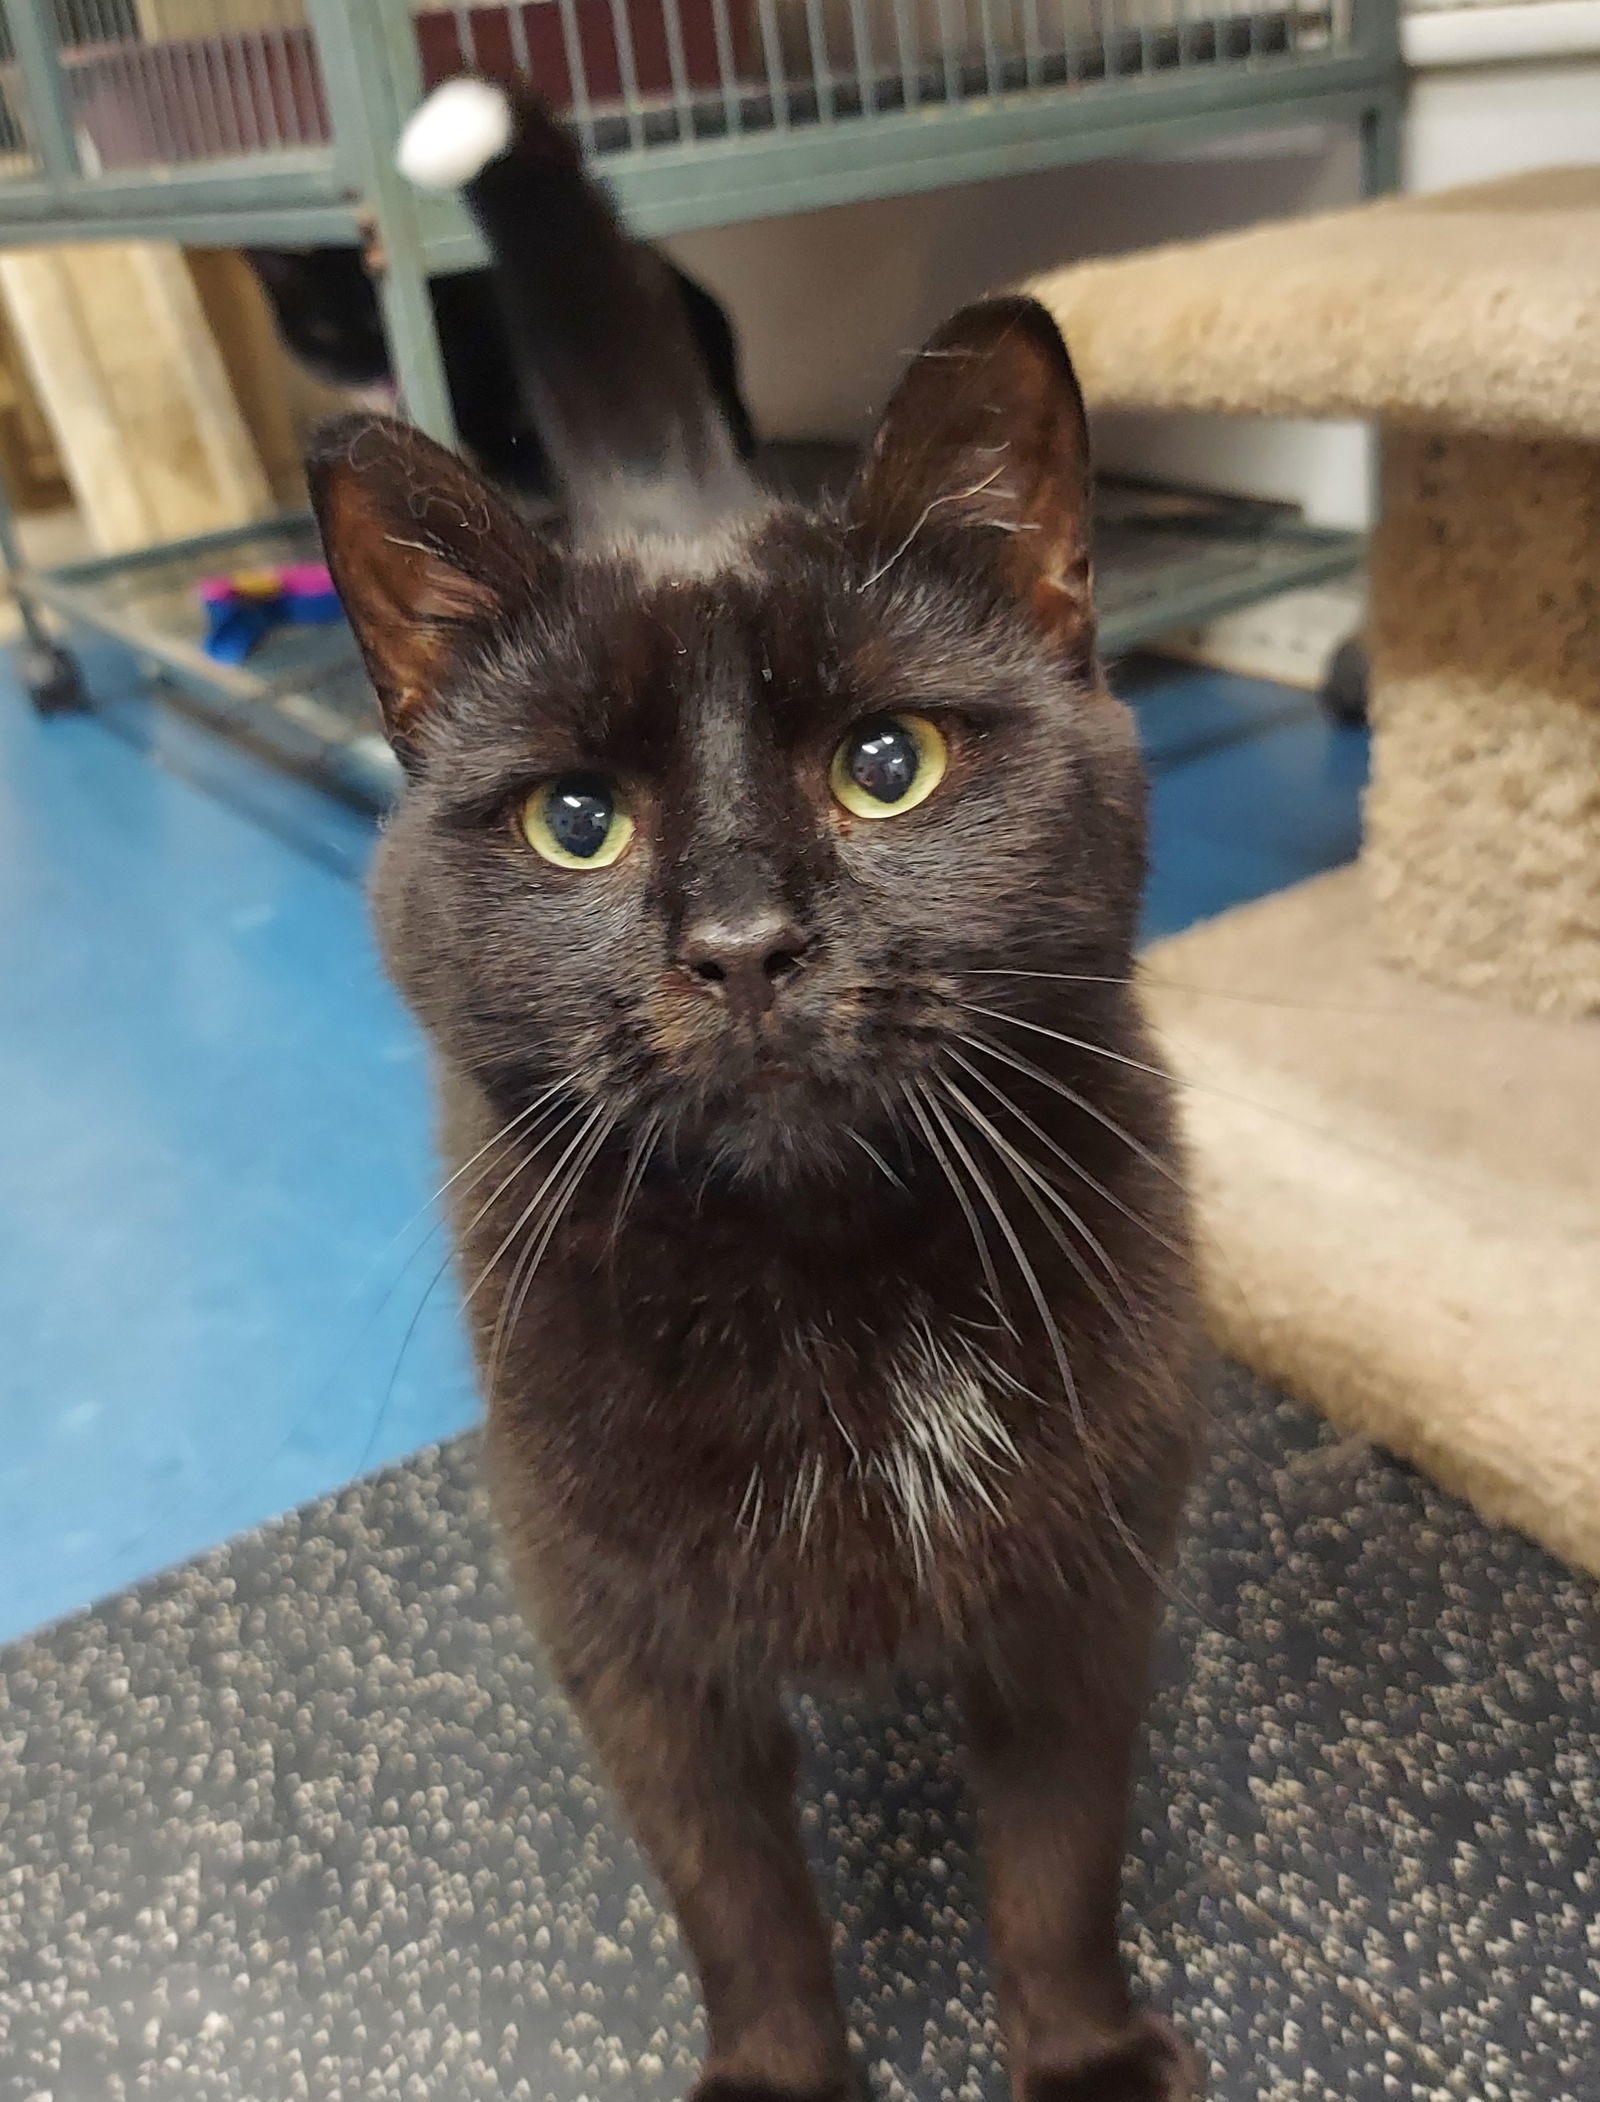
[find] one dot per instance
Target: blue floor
(214, 1154)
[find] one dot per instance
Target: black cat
(326, 307)
(767, 882)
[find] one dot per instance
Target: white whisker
(533, 1253)
(875, 1156)
(799, 1505)
(1029, 1180)
(1073, 1166)
(1329, 1132)
(638, 1160)
(1158, 982)
(1058, 1347)
(750, 1505)
(1075, 1043)
(500, 1137)
(428, 1291)
(919, 1109)
(1079, 1101)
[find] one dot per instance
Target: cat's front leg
(706, 1780)
(1053, 1709)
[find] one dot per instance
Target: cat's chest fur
(801, 1425)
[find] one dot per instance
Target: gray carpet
(303, 1820)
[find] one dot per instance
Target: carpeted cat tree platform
(1411, 1238)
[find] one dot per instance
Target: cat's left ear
(985, 438)
(425, 556)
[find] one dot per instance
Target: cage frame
(367, 53)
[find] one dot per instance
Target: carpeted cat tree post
(1410, 1233)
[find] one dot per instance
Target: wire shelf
(1165, 557)
(235, 122)
(641, 73)
(145, 85)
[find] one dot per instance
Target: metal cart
(231, 122)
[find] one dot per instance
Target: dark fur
(326, 307)
(692, 1346)
(624, 411)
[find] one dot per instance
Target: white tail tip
(456, 133)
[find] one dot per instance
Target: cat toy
(243, 608)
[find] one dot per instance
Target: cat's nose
(744, 964)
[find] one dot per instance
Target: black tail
(614, 368)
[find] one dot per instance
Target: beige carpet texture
(1471, 310)
(1398, 1195)
(1393, 1073)
(1468, 324)
(1482, 823)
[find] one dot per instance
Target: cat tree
(1412, 1237)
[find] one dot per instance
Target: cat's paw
(1151, 2064)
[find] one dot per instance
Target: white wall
(1472, 123)
(829, 304)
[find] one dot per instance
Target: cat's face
(326, 308)
(722, 836)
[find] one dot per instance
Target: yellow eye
(577, 821)
(888, 764)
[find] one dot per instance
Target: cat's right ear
(426, 557)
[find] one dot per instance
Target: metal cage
(225, 122)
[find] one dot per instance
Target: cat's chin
(774, 1080)
(781, 1127)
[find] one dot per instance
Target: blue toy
(242, 609)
